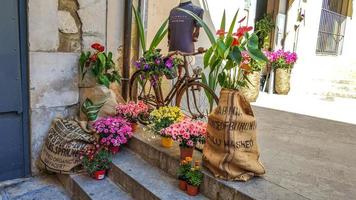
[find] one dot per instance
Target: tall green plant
(160, 34)
(224, 57)
(264, 27)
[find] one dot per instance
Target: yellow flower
(189, 159)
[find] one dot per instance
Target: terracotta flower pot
(192, 190)
(166, 142)
(114, 150)
(182, 185)
(134, 127)
(99, 175)
(186, 152)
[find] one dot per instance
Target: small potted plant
(162, 118)
(282, 62)
(113, 132)
(187, 133)
(194, 179)
(96, 162)
(182, 172)
(91, 110)
(132, 111)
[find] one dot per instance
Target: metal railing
(331, 32)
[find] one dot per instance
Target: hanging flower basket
(252, 91)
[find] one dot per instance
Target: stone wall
(58, 31)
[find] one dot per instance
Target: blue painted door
(13, 101)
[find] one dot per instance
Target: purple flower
(138, 65)
(169, 63)
(146, 67)
(158, 61)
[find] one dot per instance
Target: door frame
(23, 41)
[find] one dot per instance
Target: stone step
(147, 145)
(144, 181)
(83, 187)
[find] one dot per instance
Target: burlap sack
(63, 145)
(231, 151)
(99, 94)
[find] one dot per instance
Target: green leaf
(161, 33)
(206, 28)
(102, 59)
(104, 80)
(229, 65)
(232, 26)
(140, 28)
(222, 79)
(235, 55)
(253, 42)
(110, 56)
(223, 21)
(207, 57)
(221, 48)
(256, 54)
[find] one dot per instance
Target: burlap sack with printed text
(65, 142)
(231, 150)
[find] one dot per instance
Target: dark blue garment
(181, 27)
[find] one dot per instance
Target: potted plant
(251, 90)
(132, 111)
(194, 179)
(187, 133)
(162, 118)
(184, 168)
(96, 162)
(282, 62)
(91, 111)
(100, 64)
(113, 132)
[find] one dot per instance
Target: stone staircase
(144, 170)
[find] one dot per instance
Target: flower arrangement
(187, 132)
(96, 161)
(100, 64)
(113, 132)
(250, 65)
(132, 111)
(155, 65)
(194, 179)
(282, 59)
(165, 116)
(183, 169)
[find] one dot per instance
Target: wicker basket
(282, 81)
(251, 92)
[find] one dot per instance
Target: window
(332, 27)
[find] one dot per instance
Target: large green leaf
(102, 59)
(141, 30)
(104, 80)
(253, 42)
(207, 57)
(235, 55)
(256, 54)
(161, 33)
(221, 47)
(232, 26)
(206, 28)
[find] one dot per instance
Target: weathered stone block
(43, 25)
(93, 17)
(66, 22)
(41, 120)
(54, 79)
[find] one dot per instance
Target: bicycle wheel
(142, 90)
(193, 101)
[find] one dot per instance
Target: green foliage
(101, 65)
(183, 170)
(194, 177)
(263, 28)
(99, 160)
(91, 110)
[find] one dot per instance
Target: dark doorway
(14, 129)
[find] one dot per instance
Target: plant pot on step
(166, 142)
(186, 152)
(251, 91)
(99, 175)
(183, 185)
(192, 190)
(282, 81)
(114, 149)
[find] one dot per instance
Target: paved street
(312, 157)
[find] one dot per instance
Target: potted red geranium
(187, 133)
(96, 162)
(113, 132)
(132, 112)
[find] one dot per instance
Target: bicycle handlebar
(201, 50)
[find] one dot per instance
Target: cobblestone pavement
(36, 188)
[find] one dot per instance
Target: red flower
(242, 30)
(101, 49)
(235, 42)
(93, 57)
(221, 32)
(96, 46)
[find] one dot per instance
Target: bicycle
(186, 87)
